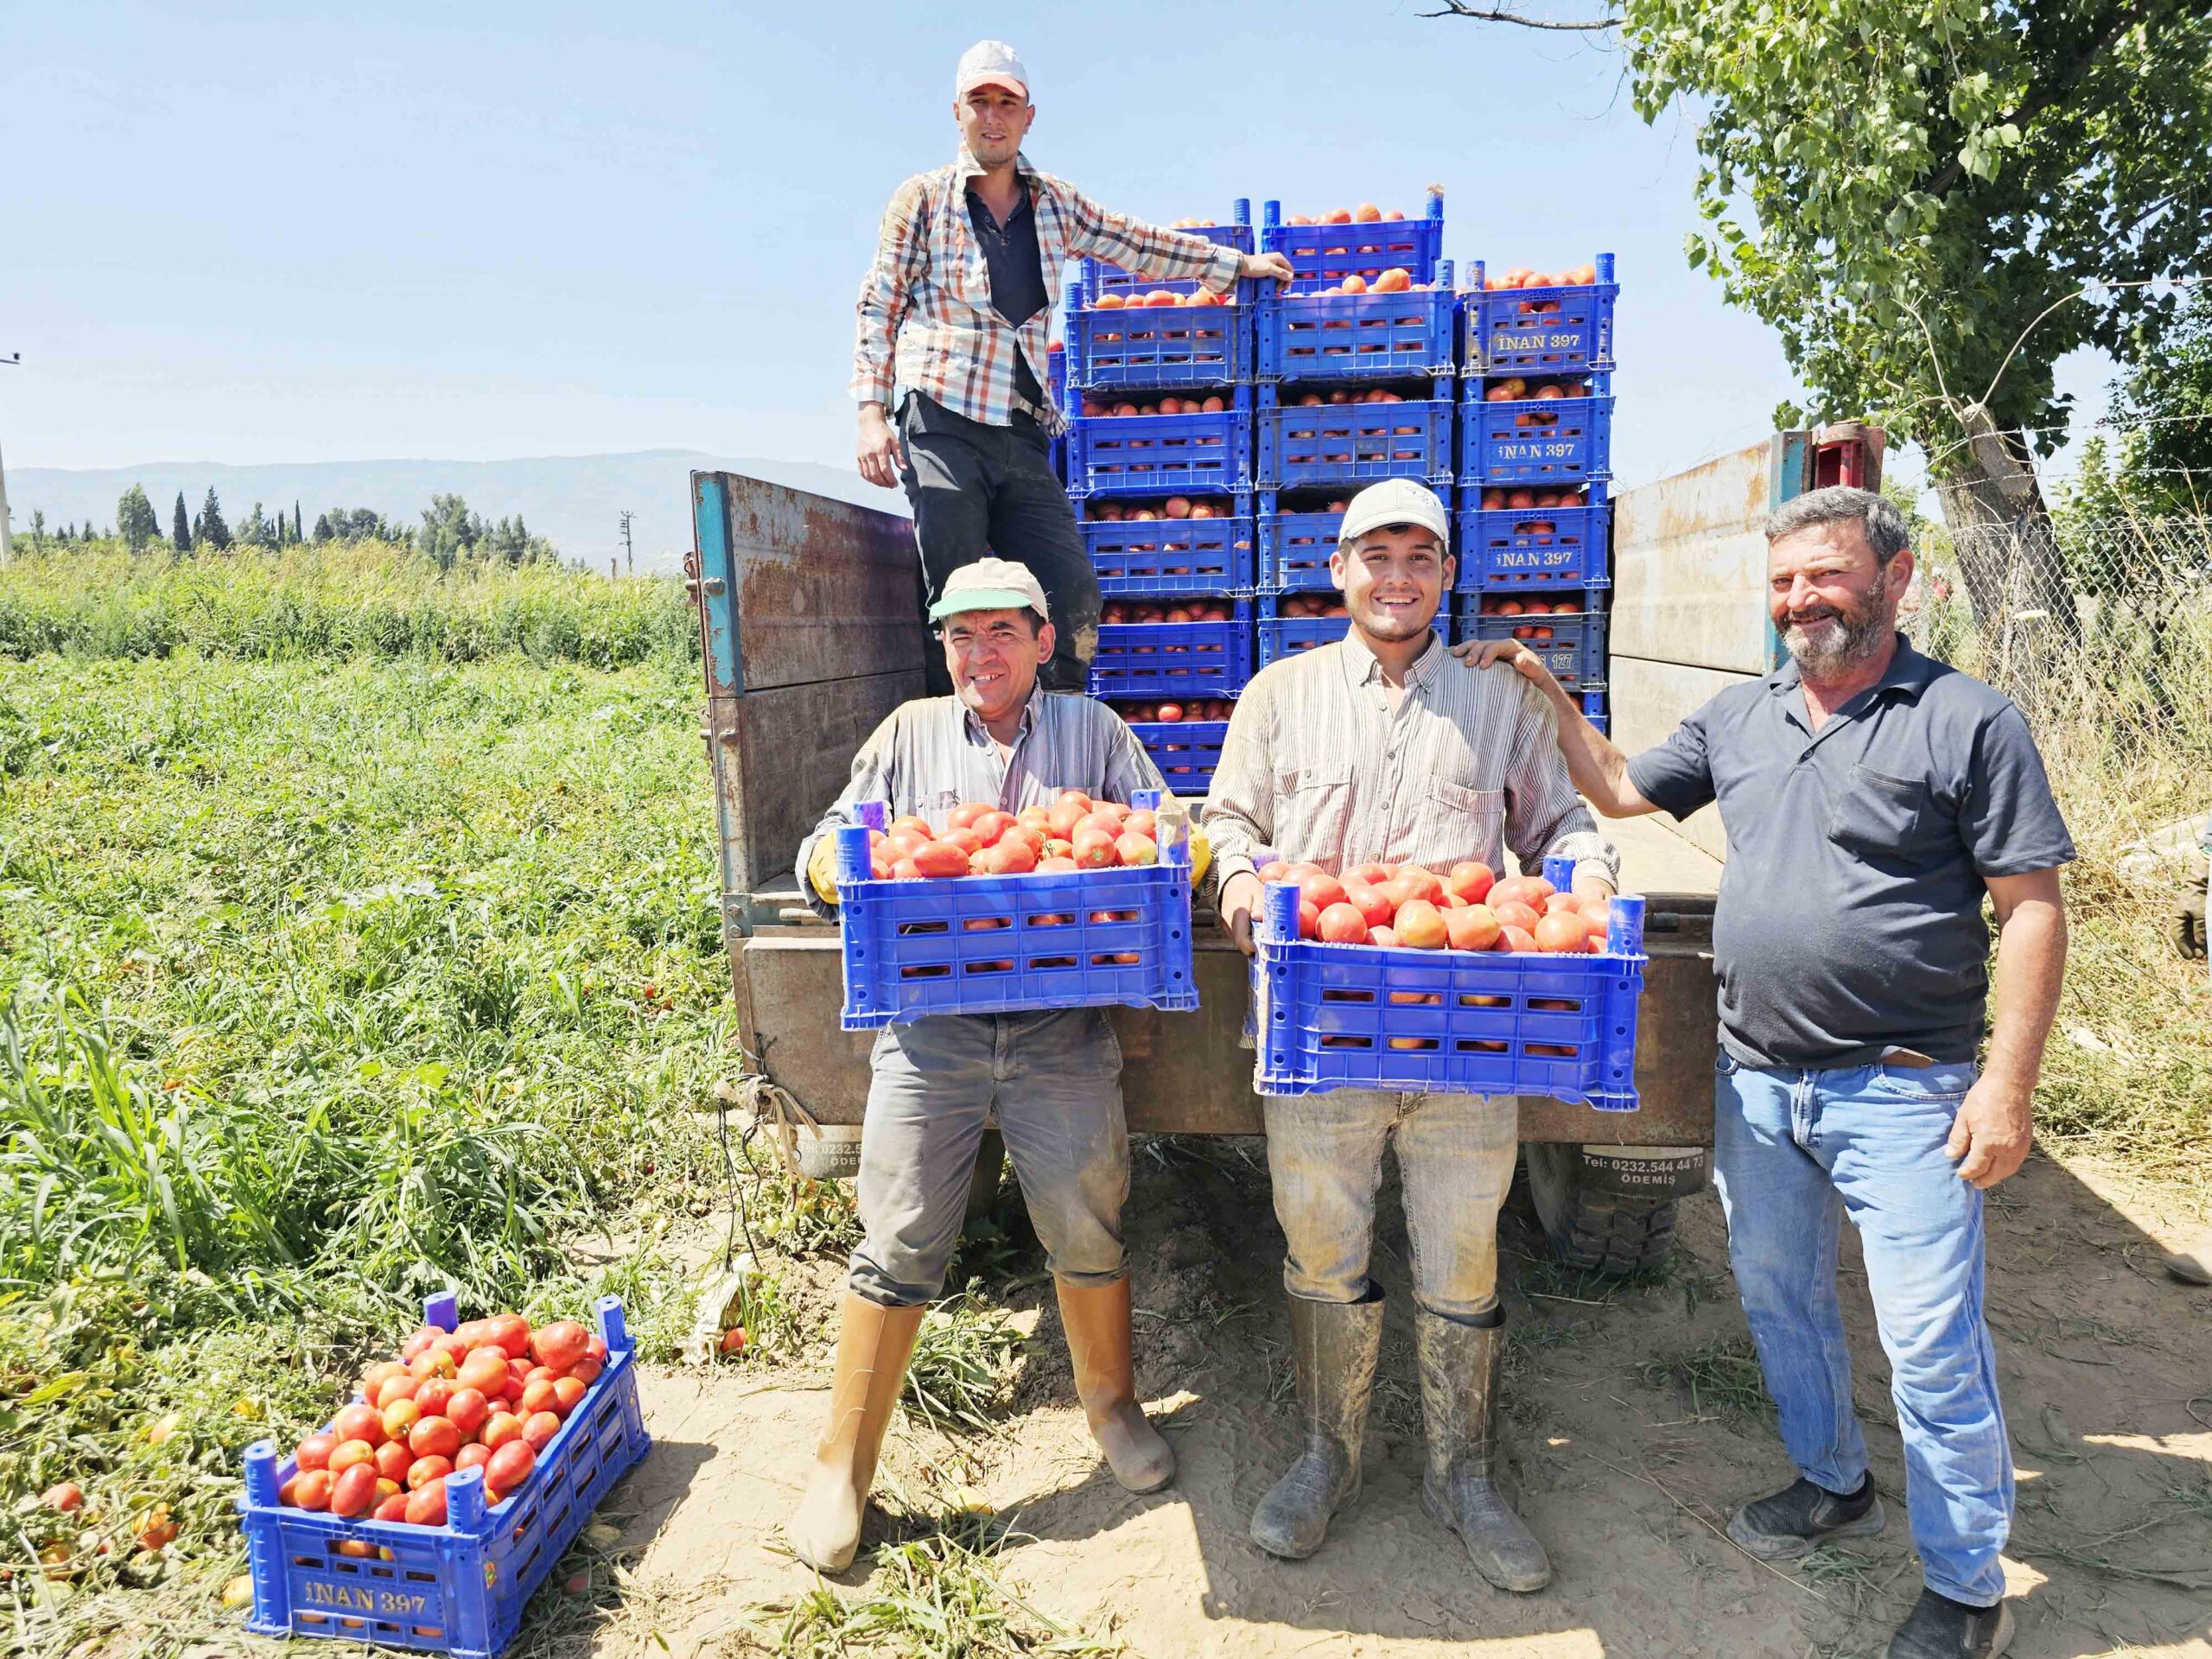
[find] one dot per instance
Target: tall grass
(333, 600)
(326, 984)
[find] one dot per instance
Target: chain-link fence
(2102, 633)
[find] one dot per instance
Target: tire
(1590, 1226)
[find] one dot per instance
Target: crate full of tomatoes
(1184, 739)
(1079, 904)
(1397, 977)
(427, 1511)
(1544, 321)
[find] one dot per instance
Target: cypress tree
(180, 527)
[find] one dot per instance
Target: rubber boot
(1097, 1320)
(1459, 1366)
(874, 1345)
(1334, 1346)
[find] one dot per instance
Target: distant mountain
(574, 501)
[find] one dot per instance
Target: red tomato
(400, 1416)
(471, 1455)
(540, 1429)
(350, 1453)
(939, 860)
(467, 1409)
(423, 1470)
(483, 1370)
(433, 1395)
(1473, 881)
(1136, 851)
(964, 815)
(538, 1396)
(434, 1437)
(1342, 923)
(1474, 928)
(992, 825)
(315, 1452)
(390, 1509)
(1168, 711)
(1321, 891)
(422, 1338)
(510, 1331)
(426, 1506)
(500, 1427)
(358, 1422)
(510, 1465)
(394, 1459)
(308, 1492)
(354, 1492)
(567, 1394)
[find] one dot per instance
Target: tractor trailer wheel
(1611, 1209)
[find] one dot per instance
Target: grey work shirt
(931, 754)
(1849, 920)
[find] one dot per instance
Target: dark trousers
(978, 489)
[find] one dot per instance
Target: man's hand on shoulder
(1240, 895)
(1992, 1132)
(1509, 653)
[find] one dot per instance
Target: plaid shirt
(925, 310)
(1318, 767)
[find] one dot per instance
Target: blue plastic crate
(1604, 726)
(1532, 547)
(1185, 751)
(1164, 557)
(455, 1589)
(1163, 454)
(1314, 336)
(1316, 445)
(1056, 379)
(996, 943)
(1096, 275)
(1137, 348)
(1332, 252)
(1295, 546)
(1548, 330)
(1574, 652)
(1288, 636)
(1174, 660)
(1328, 1016)
(1560, 442)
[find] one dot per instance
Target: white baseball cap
(1394, 501)
(990, 585)
(989, 63)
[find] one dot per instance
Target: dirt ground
(2106, 1369)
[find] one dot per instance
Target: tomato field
(327, 982)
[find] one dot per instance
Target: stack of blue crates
(1292, 399)
(1158, 461)
(1534, 463)
(1354, 386)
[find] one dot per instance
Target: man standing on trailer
(1872, 799)
(1383, 747)
(1051, 1076)
(957, 309)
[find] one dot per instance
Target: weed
(1722, 1378)
(940, 1596)
(963, 1362)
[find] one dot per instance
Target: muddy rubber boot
(874, 1345)
(1097, 1320)
(1459, 1366)
(1334, 1346)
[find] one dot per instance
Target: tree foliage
(1926, 179)
(180, 529)
(211, 529)
(135, 520)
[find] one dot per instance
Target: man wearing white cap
(957, 311)
(1385, 748)
(1052, 1077)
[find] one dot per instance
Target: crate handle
(1625, 926)
(443, 1310)
(1278, 913)
(1559, 870)
(853, 863)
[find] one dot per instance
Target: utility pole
(629, 553)
(7, 543)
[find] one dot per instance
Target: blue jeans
(1795, 1151)
(1053, 1078)
(1455, 1162)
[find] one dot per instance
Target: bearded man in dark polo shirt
(1871, 797)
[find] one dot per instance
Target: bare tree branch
(1501, 15)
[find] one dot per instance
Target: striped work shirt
(931, 754)
(1316, 767)
(926, 314)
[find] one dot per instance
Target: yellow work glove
(1201, 855)
(821, 869)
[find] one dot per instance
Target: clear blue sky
(295, 232)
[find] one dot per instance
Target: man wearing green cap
(1053, 1077)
